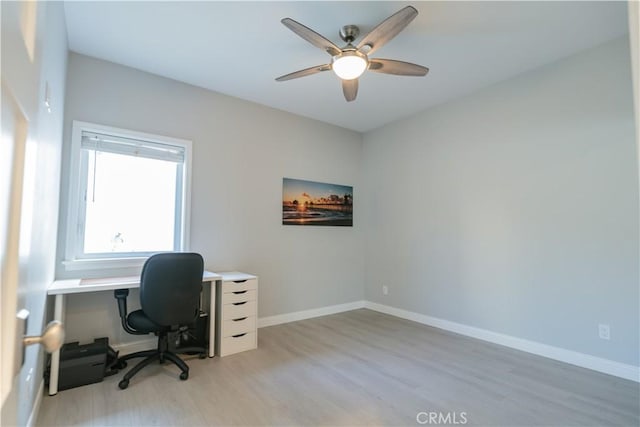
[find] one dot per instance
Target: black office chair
(170, 286)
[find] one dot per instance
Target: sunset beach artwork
(316, 203)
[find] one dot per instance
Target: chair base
(161, 354)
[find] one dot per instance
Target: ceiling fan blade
(350, 89)
(399, 68)
(303, 73)
(386, 30)
(311, 36)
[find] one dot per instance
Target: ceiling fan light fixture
(349, 65)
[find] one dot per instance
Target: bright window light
(130, 204)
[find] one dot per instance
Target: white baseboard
(594, 363)
(308, 314)
(35, 410)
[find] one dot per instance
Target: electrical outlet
(604, 331)
(385, 290)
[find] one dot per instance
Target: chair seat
(140, 322)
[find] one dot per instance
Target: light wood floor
(356, 368)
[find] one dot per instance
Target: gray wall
(42, 197)
(515, 209)
(241, 152)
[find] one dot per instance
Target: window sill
(103, 263)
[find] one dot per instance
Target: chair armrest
(121, 295)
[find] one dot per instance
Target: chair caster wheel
(123, 384)
(202, 355)
(184, 376)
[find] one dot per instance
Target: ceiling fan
(351, 61)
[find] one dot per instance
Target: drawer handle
(239, 303)
(239, 281)
(239, 335)
(239, 320)
(240, 292)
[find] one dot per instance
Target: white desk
(60, 288)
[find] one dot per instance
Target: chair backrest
(170, 287)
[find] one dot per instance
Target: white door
(20, 88)
(14, 131)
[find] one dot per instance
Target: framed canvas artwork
(316, 203)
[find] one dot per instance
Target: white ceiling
(239, 48)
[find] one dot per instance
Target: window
(129, 196)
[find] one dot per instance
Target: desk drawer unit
(236, 313)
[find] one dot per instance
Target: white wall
(515, 209)
(241, 152)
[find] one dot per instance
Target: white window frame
(74, 257)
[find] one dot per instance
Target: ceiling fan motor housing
(349, 33)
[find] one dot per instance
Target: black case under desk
(82, 364)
